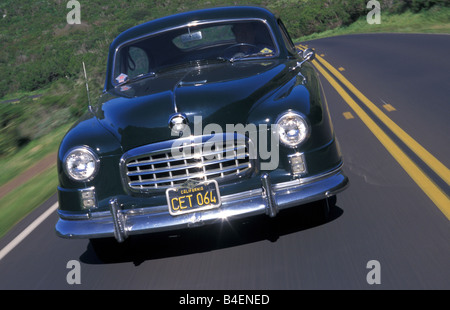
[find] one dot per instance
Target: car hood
(138, 113)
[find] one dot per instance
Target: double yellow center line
(439, 198)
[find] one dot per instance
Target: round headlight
(292, 128)
(81, 164)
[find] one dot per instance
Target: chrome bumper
(269, 199)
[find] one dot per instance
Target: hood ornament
(178, 123)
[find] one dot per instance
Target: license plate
(194, 197)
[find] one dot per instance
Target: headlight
(81, 164)
(293, 128)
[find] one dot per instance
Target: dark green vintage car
(205, 116)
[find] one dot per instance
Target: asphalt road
(384, 215)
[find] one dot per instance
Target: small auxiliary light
(298, 165)
(87, 198)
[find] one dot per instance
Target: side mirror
(308, 54)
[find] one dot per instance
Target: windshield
(194, 44)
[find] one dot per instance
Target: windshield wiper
(240, 57)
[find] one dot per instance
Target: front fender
(303, 93)
(87, 132)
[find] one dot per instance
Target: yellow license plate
(185, 199)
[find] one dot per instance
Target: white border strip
(27, 231)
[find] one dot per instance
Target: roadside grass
(18, 203)
(36, 150)
(435, 20)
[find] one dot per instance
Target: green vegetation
(12, 166)
(434, 20)
(21, 201)
(42, 55)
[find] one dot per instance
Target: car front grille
(171, 163)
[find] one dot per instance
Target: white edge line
(27, 231)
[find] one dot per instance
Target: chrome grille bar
(136, 163)
(197, 175)
(185, 166)
(154, 167)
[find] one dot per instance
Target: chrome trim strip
(307, 180)
(67, 215)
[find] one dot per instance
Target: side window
(137, 62)
(286, 38)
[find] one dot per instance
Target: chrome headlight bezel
(91, 162)
(304, 128)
